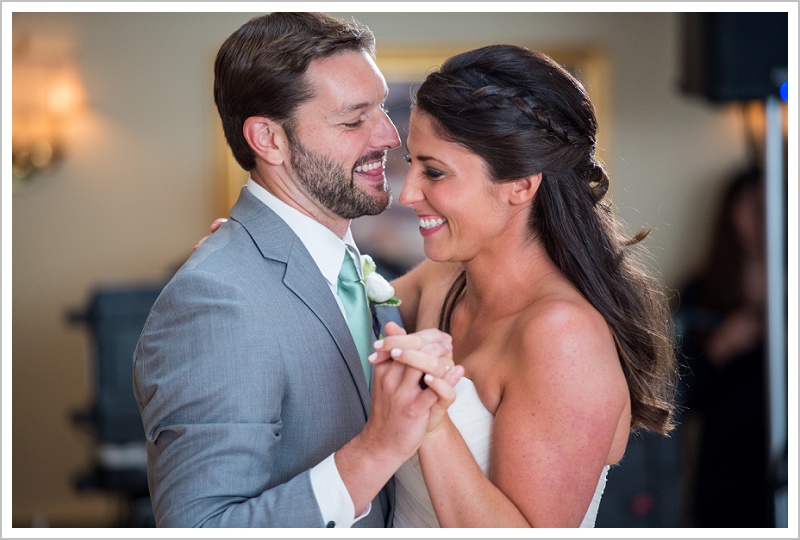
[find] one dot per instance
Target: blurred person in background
(721, 325)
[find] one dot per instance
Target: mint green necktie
(354, 298)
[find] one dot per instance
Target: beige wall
(139, 181)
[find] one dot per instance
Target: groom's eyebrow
(349, 108)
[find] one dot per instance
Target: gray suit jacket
(247, 376)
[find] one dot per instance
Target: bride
(562, 337)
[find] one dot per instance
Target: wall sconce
(754, 122)
(47, 94)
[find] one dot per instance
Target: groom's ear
(522, 190)
(267, 138)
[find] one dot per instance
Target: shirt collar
(323, 245)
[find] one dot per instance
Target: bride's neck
(506, 281)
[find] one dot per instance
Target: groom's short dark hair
(260, 69)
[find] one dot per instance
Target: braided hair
(525, 114)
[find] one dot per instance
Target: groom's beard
(333, 186)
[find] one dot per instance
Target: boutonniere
(379, 291)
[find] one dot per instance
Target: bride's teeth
(431, 223)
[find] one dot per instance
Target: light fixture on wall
(47, 93)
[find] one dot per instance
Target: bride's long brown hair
(524, 114)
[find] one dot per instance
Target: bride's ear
(267, 138)
(522, 190)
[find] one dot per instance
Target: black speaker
(734, 56)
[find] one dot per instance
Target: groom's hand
(428, 353)
(400, 411)
(400, 408)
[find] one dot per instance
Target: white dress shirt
(327, 250)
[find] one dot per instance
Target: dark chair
(115, 317)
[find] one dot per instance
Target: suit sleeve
(210, 397)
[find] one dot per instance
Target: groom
(250, 383)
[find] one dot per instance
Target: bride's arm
(431, 277)
(562, 403)
(408, 289)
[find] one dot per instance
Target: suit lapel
(276, 241)
(316, 294)
(384, 315)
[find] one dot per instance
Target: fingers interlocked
(429, 351)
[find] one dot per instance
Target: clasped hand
(401, 360)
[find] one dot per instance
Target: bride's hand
(444, 387)
(429, 351)
(214, 226)
(430, 341)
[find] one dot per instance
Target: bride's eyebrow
(420, 157)
(425, 159)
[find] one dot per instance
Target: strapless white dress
(413, 507)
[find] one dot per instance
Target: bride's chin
(435, 256)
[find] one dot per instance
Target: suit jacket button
(330, 525)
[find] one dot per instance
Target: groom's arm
(211, 409)
(211, 406)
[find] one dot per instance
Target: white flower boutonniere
(379, 291)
